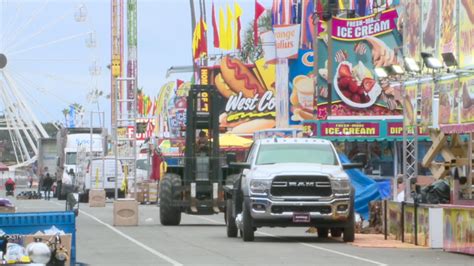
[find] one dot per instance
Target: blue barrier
(24, 223)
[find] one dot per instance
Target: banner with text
(287, 39)
(248, 94)
(357, 46)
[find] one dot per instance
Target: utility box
(125, 212)
(97, 198)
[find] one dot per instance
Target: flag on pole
(214, 27)
(259, 9)
(341, 4)
(238, 14)
(222, 30)
(199, 40)
(229, 35)
(319, 7)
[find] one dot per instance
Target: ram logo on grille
(300, 184)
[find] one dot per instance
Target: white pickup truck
(291, 182)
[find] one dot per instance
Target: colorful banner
(466, 33)
(301, 88)
(355, 89)
(409, 104)
(448, 101)
(248, 92)
(411, 30)
(430, 15)
(427, 93)
(448, 29)
(458, 230)
(467, 99)
(352, 129)
(287, 39)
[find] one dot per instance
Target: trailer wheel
(349, 229)
(248, 232)
(169, 215)
(232, 230)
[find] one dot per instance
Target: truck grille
(295, 186)
(320, 209)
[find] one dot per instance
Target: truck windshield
(71, 157)
(296, 153)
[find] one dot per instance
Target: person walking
(47, 184)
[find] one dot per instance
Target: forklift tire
(349, 230)
(248, 232)
(232, 230)
(169, 215)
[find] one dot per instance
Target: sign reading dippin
(354, 29)
(287, 40)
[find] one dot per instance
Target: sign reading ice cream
(355, 129)
(368, 26)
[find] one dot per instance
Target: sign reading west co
(350, 129)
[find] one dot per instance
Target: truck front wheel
(230, 220)
(248, 233)
(169, 214)
(349, 229)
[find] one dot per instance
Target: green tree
(249, 52)
(65, 112)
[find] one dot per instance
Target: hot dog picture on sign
(248, 91)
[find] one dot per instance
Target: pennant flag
(199, 40)
(309, 26)
(259, 9)
(361, 7)
(319, 7)
(238, 14)
(341, 4)
(222, 32)
(229, 35)
(214, 28)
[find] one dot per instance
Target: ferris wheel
(48, 61)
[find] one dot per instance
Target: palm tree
(65, 112)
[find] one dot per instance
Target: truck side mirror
(239, 165)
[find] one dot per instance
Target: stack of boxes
(147, 192)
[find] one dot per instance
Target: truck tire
(232, 230)
(336, 232)
(169, 215)
(323, 232)
(84, 197)
(248, 233)
(349, 229)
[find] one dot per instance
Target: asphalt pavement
(202, 240)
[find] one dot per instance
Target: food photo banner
(448, 102)
(427, 94)
(301, 88)
(248, 93)
(467, 99)
(358, 46)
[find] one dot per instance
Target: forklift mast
(202, 114)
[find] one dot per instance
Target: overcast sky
(48, 57)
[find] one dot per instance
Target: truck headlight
(341, 186)
(259, 186)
